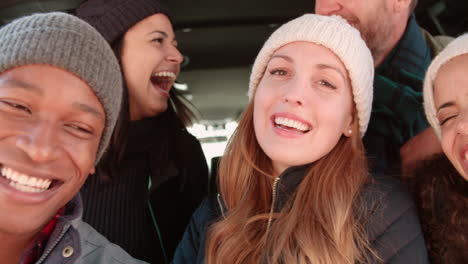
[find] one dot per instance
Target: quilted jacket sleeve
(191, 248)
(393, 223)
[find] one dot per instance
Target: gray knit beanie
(334, 33)
(66, 42)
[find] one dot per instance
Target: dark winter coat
(149, 221)
(393, 226)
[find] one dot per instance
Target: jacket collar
(71, 217)
(287, 185)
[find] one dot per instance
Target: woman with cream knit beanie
(441, 183)
(294, 185)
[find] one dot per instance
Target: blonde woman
(294, 184)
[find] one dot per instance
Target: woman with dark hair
(441, 195)
(154, 174)
(294, 182)
(441, 183)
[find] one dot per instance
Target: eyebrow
(14, 83)
(174, 40)
(327, 66)
(320, 66)
(448, 104)
(160, 32)
(287, 58)
(89, 109)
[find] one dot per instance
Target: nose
(294, 92)
(39, 143)
(327, 7)
(174, 55)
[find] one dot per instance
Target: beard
(376, 37)
(374, 32)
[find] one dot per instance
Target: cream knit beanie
(457, 47)
(334, 33)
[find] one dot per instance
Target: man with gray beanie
(60, 94)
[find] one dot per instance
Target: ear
(400, 6)
(348, 131)
(93, 170)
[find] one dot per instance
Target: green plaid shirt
(397, 109)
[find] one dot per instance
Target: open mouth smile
(26, 183)
(291, 125)
(163, 80)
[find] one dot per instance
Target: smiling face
(151, 63)
(302, 105)
(451, 103)
(52, 123)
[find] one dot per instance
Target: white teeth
(291, 123)
(25, 183)
(24, 188)
(165, 74)
(23, 179)
(466, 155)
(32, 181)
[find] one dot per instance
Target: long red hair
(319, 224)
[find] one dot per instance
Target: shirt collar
(411, 54)
(68, 215)
(36, 247)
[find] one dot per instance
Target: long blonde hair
(320, 223)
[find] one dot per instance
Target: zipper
(273, 201)
(155, 223)
(220, 204)
(46, 253)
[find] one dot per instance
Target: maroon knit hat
(112, 18)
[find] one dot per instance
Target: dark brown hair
(179, 114)
(441, 195)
